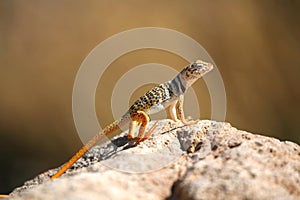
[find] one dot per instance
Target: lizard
(169, 94)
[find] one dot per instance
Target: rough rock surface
(226, 164)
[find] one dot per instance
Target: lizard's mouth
(209, 66)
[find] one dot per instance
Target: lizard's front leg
(180, 112)
(173, 112)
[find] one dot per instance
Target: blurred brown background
(255, 45)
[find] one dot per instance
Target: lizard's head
(196, 70)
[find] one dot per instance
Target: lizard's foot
(176, 120)
(130, 137)
(190, 122)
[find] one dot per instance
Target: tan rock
(225, 163)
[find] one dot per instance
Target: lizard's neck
(179, 85)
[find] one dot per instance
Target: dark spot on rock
(198, 146)
(258, 143)
(214, 147)
(234, 143)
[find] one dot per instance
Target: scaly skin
(166, 94)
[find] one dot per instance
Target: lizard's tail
(103, 134)
(78, 155)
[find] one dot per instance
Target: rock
(223, 163)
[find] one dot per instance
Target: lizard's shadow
(122, 143)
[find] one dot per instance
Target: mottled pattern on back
(157, 95)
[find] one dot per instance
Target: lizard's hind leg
(143, 119)
(140, 119)
(133, 125)
(150, 131)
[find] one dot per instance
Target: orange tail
(78, 155)
(105, 132)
